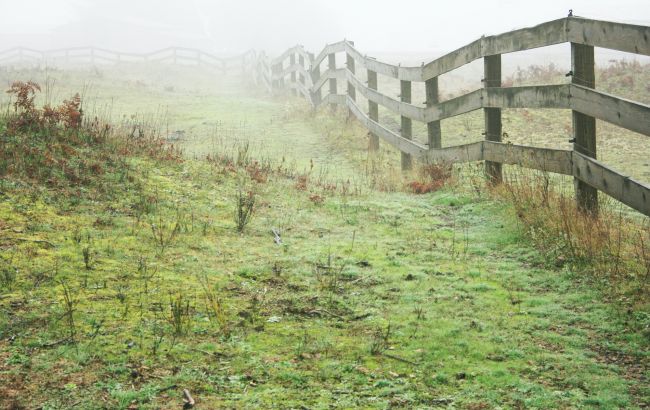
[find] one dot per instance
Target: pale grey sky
(232, 26)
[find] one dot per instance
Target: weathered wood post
(433, 128)
(373, 110)
(584, 126)
(292, 63)
(301, 62)
(492, 78)
(407, 125)
(352, 92)
(275, 79)
(316, 94)
(331, 66)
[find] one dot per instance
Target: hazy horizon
(413, 26)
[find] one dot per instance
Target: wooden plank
(535, 96)
(492, 79)
(389, 70)
(408, 110)
(349, 63)
(625, 113)
(337, 99)
(434, 134)
(584, 126)
(455, 106)
(402, 144)
(292, 65)
(331, 66)
(629, 38)
(598, 176)
(446, 109)
(454, 155)
(545, 34)
(373, 111)
(339, 73)
(329, 49)
(543, 159)
(317, 82)
(406, 128)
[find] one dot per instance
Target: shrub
(432, 177)
(57, 146)
(244, 206)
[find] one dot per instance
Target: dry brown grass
(612, 248)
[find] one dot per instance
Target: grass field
(125, 290)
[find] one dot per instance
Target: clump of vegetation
(612, 247)
(432, 178)
(62, 148)
(244, 207)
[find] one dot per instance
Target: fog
(408, 26)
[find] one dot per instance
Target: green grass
(373, 299)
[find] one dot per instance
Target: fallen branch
(276, 236)
(327, 312)
(164, 389)
(188, 399)
(399, 359)
(43, 241)
(53, 344)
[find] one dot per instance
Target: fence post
(352, 92)
(331, 66)
(316, 95)
(373, 110)
(584, 126)
(407, 125)
(301, 62)
(292, 62)
(433, 128)
(492, 78)
(275, 81)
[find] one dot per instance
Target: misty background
(229, 27)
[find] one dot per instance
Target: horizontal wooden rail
(338, 74)
(616, 36)
(625, 189)
(396, 140)
(329, 49)
(93, 54)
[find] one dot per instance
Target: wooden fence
(93, 56)
(299, 71)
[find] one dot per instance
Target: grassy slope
(457, 308)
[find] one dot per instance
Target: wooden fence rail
(242, 63)
(580, 96)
